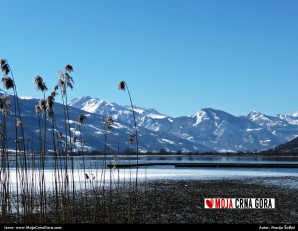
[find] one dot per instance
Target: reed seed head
(40, 84)
(62, 86)
(43, 104)
(67, 80)
(38, 79)
(68, 68)
(54, 94)
(2, 62)
(4, 66)
(37, 109)
(109, 122)
(131, 138)
(50, 112)
(81, 119)
(61, 83)
(5, 104)
(50, 102)
(60, 136)
(8, 83)
(69, 84)
(56, 87)
(122, 85)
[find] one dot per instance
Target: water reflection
(95, 162)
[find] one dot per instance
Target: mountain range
(206, 130)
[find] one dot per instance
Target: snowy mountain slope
(146, 118)
(224, 132)
(282, 126)
(92, 131)
(206, 130)
(214, 129)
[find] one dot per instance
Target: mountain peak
(79, 100)
(199, 117)
(204, 111)
(210, 114)
(94, 105)
(255, 113)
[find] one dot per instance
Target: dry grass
(29, 199)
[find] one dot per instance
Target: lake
(93, 167)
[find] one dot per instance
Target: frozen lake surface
(93, 167)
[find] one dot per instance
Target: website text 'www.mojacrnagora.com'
(32, 227)
(239, 203)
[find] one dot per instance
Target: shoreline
(180, 201)
(187, 200)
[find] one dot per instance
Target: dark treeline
(163, 152)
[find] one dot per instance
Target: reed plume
(37, 109)
(5, 68)
(5, 104)
(8, 83)
(68, 68)
(131, 138)
(109, 122)
(81, 119)
(4, 170)
(41, 86)
(50, 108)
(123, 86)
(66, 81)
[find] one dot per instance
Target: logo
(239, 203)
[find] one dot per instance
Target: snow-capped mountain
(209, 128)
(147, 118)
(91, 132)
(282, 126)
(206, 130)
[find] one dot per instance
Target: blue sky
(177, 56)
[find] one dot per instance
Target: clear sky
(177, 56)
